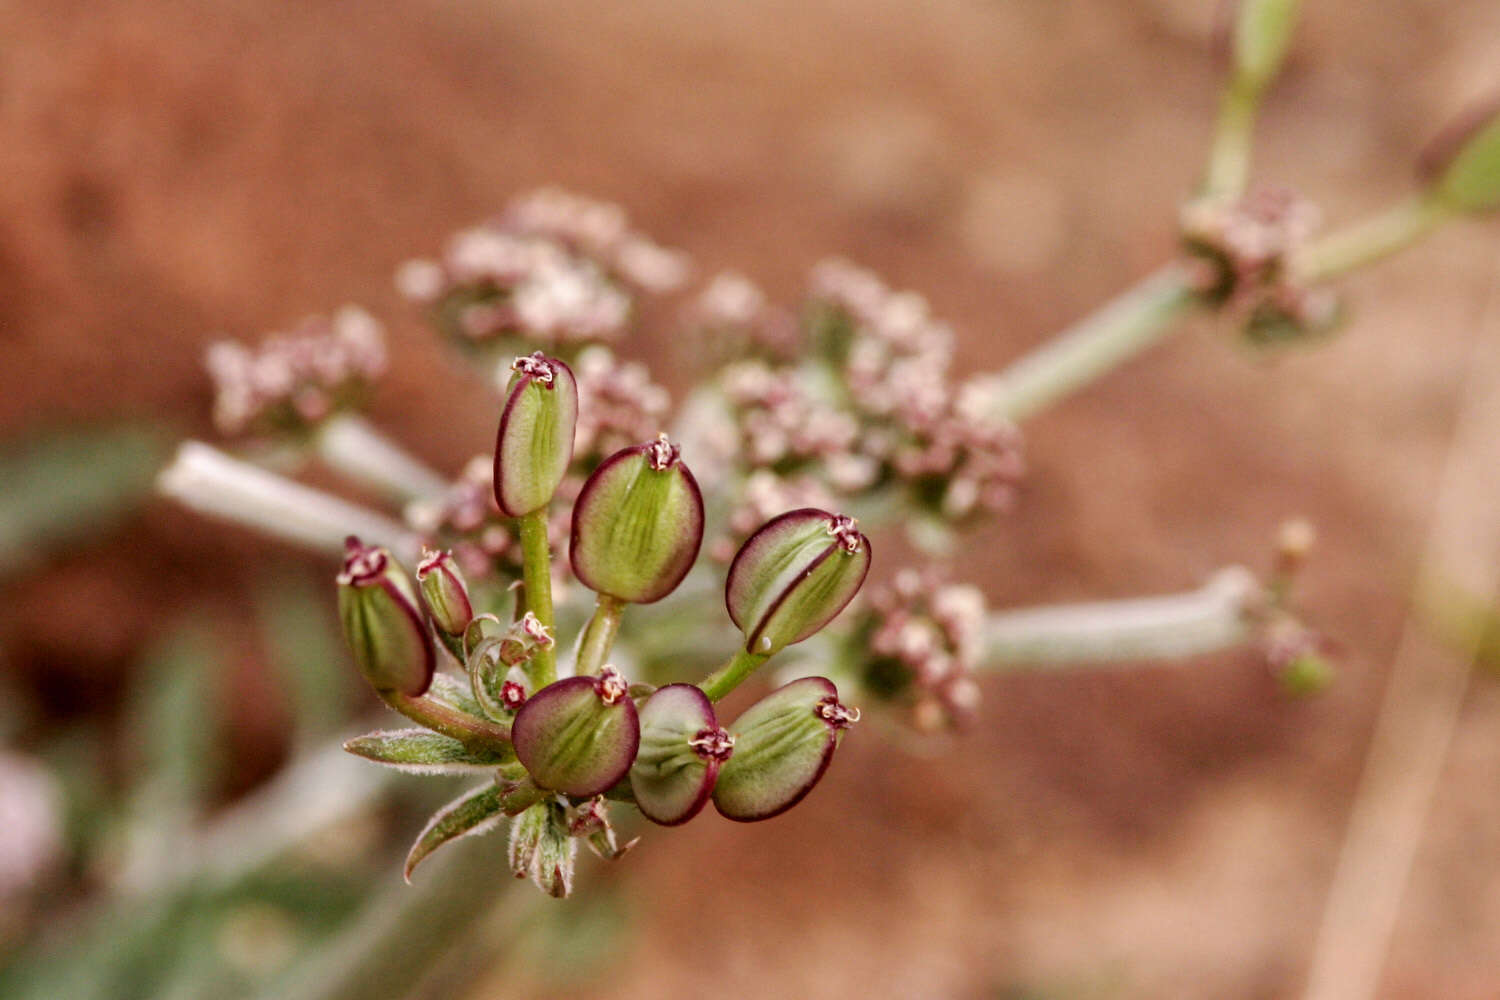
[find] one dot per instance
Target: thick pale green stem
(1379, 236)
(445, 719)
(1172, 626)
(537, 572)
(728, 677)
(1229, 157)
(599, 635)
(1094, 346)
(214, 483)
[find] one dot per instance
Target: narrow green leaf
(475, 812)
(421, 751)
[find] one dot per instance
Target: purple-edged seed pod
(578, 735)
(445, 592)
(535, 441)
(381, 623)
(793, 576)
(682, 749)
(637, 523)
(783, 744)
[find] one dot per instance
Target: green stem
(599, 635)
(1229, 158)
(1094, 346)
(1218, 615)
(537, 572)
(1379, 236)
(728, 677)
(449, 721)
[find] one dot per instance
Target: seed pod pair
(761, 766)
(794, 576)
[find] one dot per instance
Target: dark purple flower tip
(381, 623)
(793, 576)
(783, 745)
(578, 735)
(682, 749)
(535, 442)
(637, 524)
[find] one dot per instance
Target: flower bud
(578, 735)
(1462, 165)
(783, 744)
(541, 848)
(637, 524)
(535, 441)
(794, 576)
(590, 821)
(682, 748)
(384, 630)
(444, 591)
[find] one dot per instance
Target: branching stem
(728, 677)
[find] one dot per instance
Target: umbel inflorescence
(852, 403)
(558, 749)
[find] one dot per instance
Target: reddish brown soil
(175, 168)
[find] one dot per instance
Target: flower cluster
(295, 380)
(617, 404)
(1244, 247)
(552, 269)
(558, 744)
(879, 409)
(920, 640)
(734, 313)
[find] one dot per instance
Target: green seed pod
(793, 576)
(535, 441)
(682, 748)
(637, 524)
(444, 592)
(384, 629)
(578, 735)
(783, 745)
(1461, 167)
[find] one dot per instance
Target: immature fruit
(578, 735)
(535, 441)
(381, 623)
(637, 524)
(783, 744)
(794, 576)
(682, 748)
(444, 592)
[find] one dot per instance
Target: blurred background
(178, 169)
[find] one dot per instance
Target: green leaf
(475, 812)
(421, 751)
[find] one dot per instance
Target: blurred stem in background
(1424, 695)
(1216, 616)
(351, 446)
